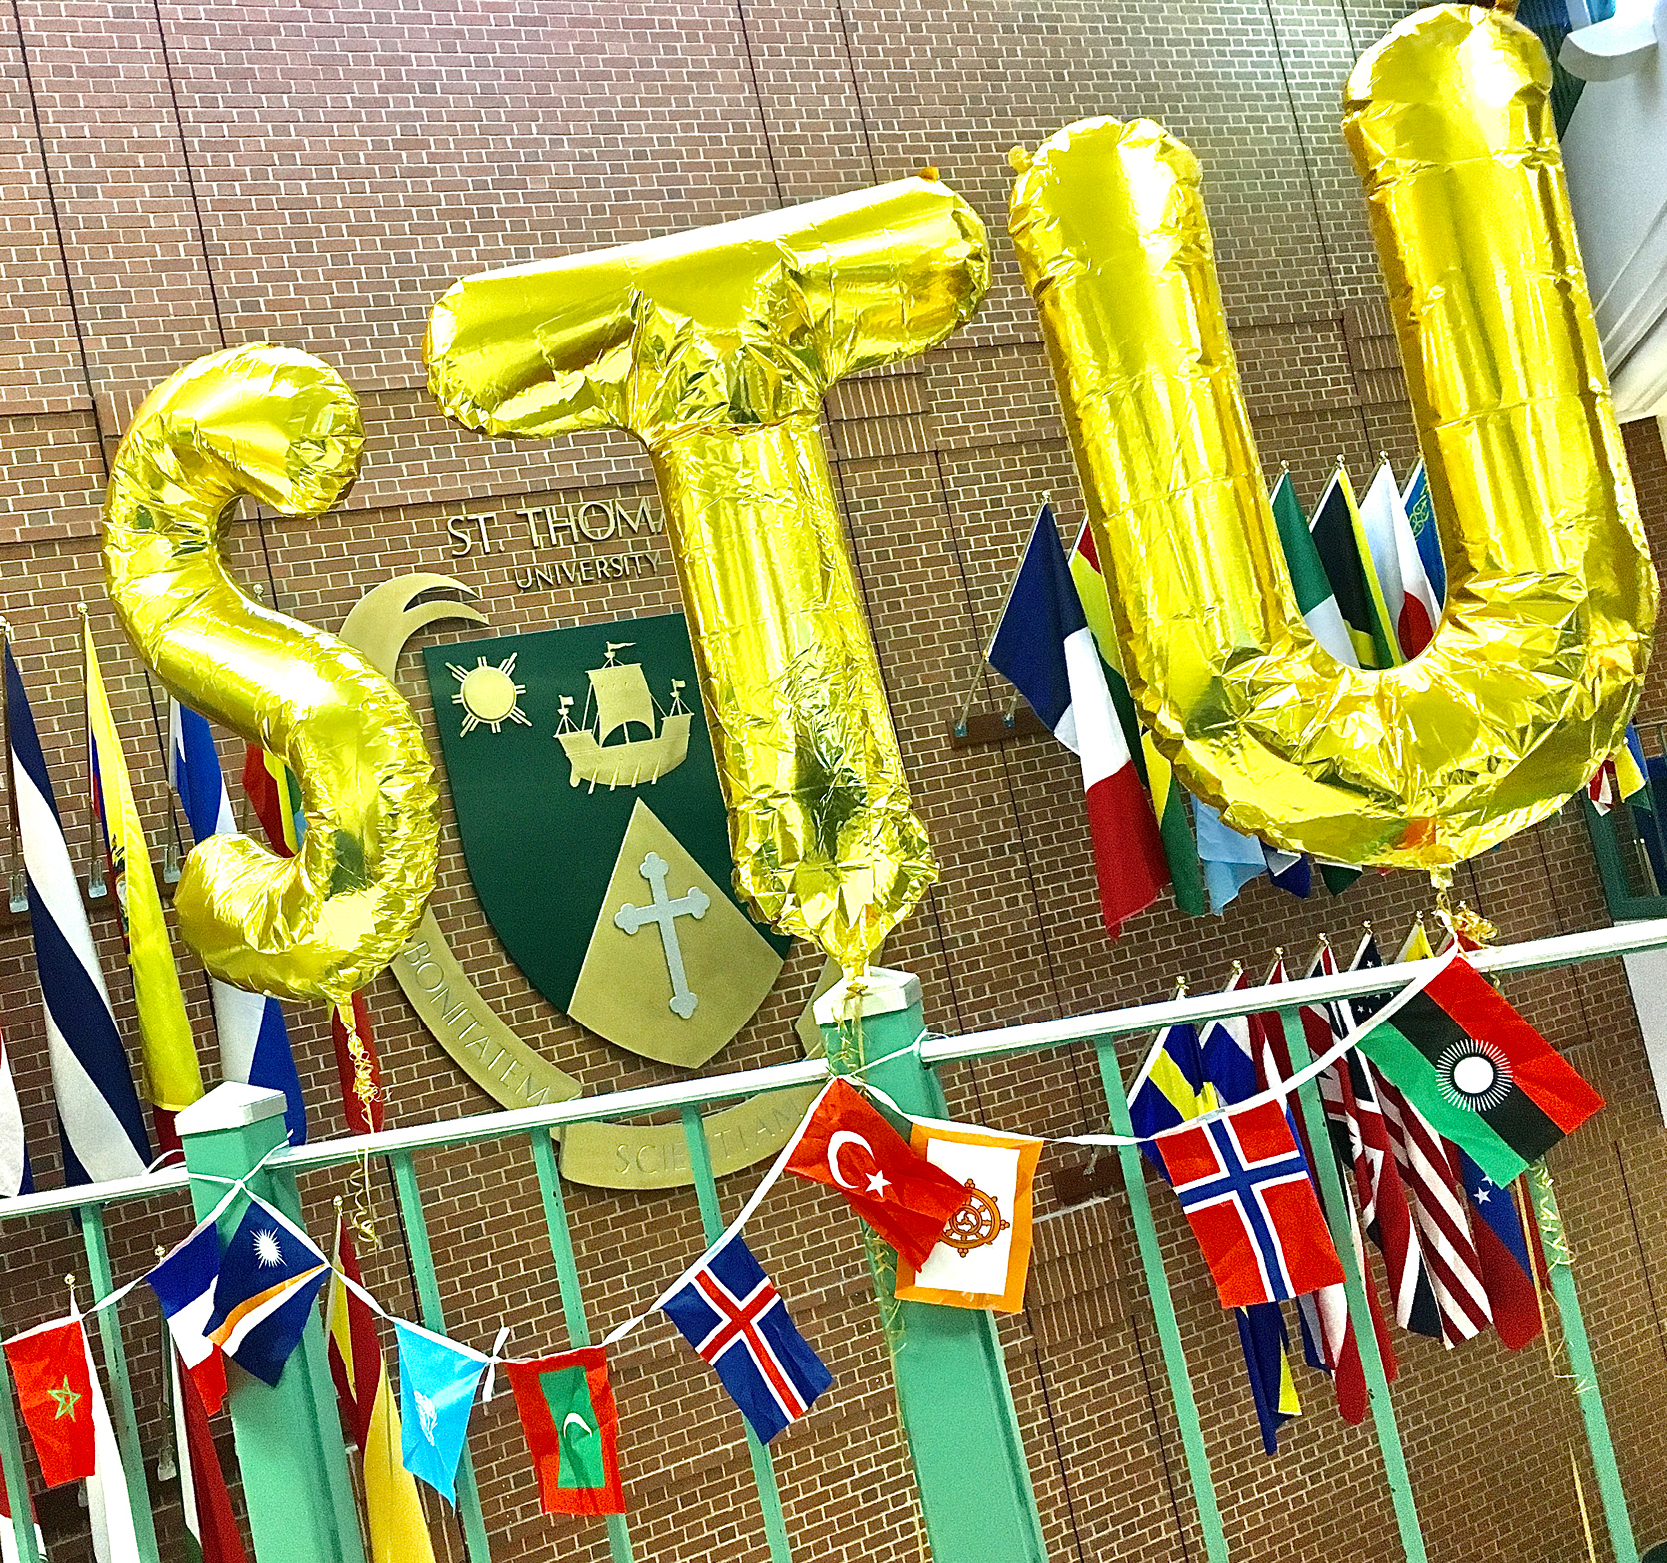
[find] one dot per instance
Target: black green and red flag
(1481, 1075)
(567, 1412)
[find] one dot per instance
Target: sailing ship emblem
(619, 700)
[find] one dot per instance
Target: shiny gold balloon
(281, 426)
(715, 348)
(1551, 596)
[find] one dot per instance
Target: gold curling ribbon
(281, 426)
(1551, 598)
(715, 348)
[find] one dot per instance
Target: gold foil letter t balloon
(281, 426)
(1551, 597)
(715, 348)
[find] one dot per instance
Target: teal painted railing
(534, 1126)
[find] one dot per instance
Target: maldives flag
(1483, 1077)
(1045, 649)
(55, 1394)
(896, 1190)
(567, 1412)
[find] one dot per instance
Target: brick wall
(179, 175)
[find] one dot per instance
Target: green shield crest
(594, 830)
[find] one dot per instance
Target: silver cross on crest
(665, 911)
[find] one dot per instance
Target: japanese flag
(984, 1254)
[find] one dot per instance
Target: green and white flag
(1315, 599)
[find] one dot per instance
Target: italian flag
(567, 1413)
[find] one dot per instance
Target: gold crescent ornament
(715, 349)
(1551, 599)
(282, 427)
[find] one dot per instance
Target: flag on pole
(172, 1078)
(1163, 787)
(848, 1146)
(572, 1430)
(99, 1120)
(1420, 513)
(1292, 872)
(370, 1420)
(1502, 1251)
(1044, 648)
(184, 1281)
(1230, 860)
(1621, 775)
(1316, 600)
(358, 1066)
(437, 1383)
(983, 1257)
(735, 1320)
(1409, 598)
(15, 1174)
(8, 1531)
(1172, 1090)
(1341, 543)
(270, 1274)
(275, 796)
(211, 1534)
(254, 1042)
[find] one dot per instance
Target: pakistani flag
(1340, 541)
(1179, 850)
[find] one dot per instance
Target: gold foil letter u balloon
(715, 348)
(1551, 602)
(281, 426)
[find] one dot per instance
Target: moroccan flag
(275, 796)
(1044, 648)
(1316, 601)
(172, 1078)
(567, 1412)
(211, 1534)
(1341, 542)
(897, 1191)
(55, 1394)
(1162, 786)
(1502, 1250)
(1478, 1072)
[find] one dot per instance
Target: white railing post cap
(230, 1106)
(884, 992)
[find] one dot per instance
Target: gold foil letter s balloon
(715, 348)
(1551, 596)
(281, 426)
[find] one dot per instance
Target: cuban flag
(270, 1274)
(1243, 1183)
(1044, 647)
(98, 1109)
(254, 1042)
(735, 1319)
(184, 1281)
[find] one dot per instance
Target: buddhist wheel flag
(567, 1412)
(1478, 1072)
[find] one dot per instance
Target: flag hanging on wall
(437, 1383)
(1044, 648)
(735, 1320)
(270, 1274)
(15, 1174)
(254, 1042)
(572, 1429)
(1341, 543)
(1163, 787)
(211, 1534)
(370, 1420)
(102, 1128)
(172, 1077)
(183, 1281)
(983, 1256)
(1316, 600)
(849, 1146)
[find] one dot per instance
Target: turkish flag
(897, 1191)
(55, 1393)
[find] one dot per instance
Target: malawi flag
(1043, 646)
(1483, 1077)
(1340, 539)
(567, 1412)
(1163, 787)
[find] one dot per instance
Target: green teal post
(289, 1445)
(952, 1387)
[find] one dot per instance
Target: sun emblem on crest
(488, 694)
(976, 1224)
(269, 1252)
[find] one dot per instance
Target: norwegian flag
(735, 1319)
(1244, 1185)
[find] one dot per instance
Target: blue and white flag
(1293, 872)
(437, 1383)
(183, 1281)
(735, 1319)
(270, 1274)
(1420, 514)
(254, 1042)
(98, 1109)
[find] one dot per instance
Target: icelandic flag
(735, 1319)
(437, 1382)
(254, 1042)
(1044, 647)
(183, 1281)
(102, 1128)
(270, 1274)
